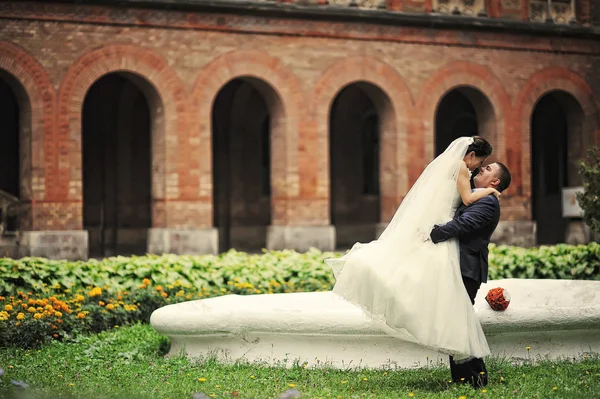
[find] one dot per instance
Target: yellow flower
(463, 397)
(202, 379)
(292, 385)
(79, 298)
(110, 306)
(20, 316)
(528, 347)
(80, 315)
(343, 382)
(8, 308)
(31, 310)
(146, 281)
(96, 291)
(3, 316)
(411, 394)
(554, 388)
(252, 376)
(483, 390)
(71, 385)
(58, 314)
(101, 303)
(37, 316)
(365, 379)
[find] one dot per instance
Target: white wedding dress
(409, 286)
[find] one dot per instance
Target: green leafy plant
(589, 200)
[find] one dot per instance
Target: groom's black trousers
(472, 370)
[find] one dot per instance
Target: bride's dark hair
(480, 146)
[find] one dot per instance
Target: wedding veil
(430, 201)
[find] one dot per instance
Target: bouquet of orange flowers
(498, 298)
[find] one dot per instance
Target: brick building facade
(192, 127)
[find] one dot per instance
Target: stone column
(183, 241)
(69, 244)
(301, 238)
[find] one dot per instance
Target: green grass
(128, 363)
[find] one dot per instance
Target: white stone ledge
(556, 318)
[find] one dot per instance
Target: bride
(412, 288)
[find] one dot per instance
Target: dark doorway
(556, 119)
(117, 166)
(354, 144)
(464, 111)
(241, 131)
(455, 117)
(10, 114)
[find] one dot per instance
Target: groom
(473, 226)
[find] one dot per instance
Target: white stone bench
(554, 318)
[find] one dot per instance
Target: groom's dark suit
(473, 226)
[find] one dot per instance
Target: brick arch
(37, 108)
(464, 74)
(284, 96)
(538, 85)
(167, 99)
(394, 103)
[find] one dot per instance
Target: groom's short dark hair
(504, 176)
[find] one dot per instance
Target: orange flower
(8, 308)
(101, 303)
(110, 306)
(146, 281)
(80, 315)
(164, 294)
(159, 288)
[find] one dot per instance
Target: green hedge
(272, 271)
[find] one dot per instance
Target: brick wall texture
(56, 52)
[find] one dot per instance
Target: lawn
(129, 363)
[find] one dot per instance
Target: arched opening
(464, 111)
(244, 113)
(117, 123)
(556, 148)
(356, 118)
(15, 115)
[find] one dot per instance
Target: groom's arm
(476, 216)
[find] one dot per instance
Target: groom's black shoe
(473, 372)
